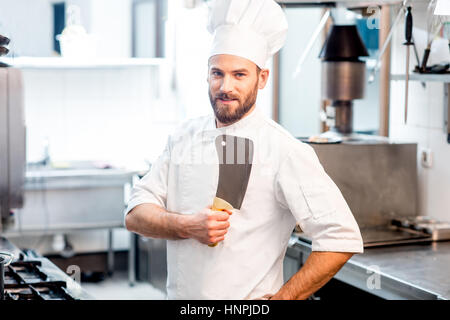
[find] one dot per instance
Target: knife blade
(235, 164)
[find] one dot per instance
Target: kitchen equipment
(32, 277)
(235, 165)
(12, 140)
(343, 76)
(5, 260)
(75, 42)
(437, 230)
(72, 195)
(378, 179)
(434, 24)
(408, 43)
(388, 235)
(377, 176)
(152, 261)
(391, 235)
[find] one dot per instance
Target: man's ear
(263, 77)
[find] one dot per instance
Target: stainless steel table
(394, 272)
(63, 201)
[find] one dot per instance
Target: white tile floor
(117, 288)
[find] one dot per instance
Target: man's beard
(225, 114)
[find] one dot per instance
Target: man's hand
(152, 221)
(206, 226)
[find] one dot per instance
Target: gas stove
(32, 277)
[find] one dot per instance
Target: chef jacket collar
(210, 132)
(240, 124)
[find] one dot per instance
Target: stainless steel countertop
(76, 178)
(67, 173)
(406, 271)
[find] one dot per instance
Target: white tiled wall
(425, 123)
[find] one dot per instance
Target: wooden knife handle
(220, 205)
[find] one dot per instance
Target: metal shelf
(70, 63)
(423, 77)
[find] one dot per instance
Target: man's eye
(216, 73)
(239, 75)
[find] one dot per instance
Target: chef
(287, 185)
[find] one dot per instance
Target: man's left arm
(318, 269)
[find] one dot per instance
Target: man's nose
(227, 84)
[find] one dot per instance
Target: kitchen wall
(114, 115)
(300, 96)
(425, 123)
(18, 20)
(111, 24)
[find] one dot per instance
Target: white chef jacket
(287, 185)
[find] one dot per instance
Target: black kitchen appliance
(29, 276)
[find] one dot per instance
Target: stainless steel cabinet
(152, 262)
(293, 261)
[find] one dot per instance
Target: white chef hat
(252, 29)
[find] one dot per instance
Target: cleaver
(235, 164)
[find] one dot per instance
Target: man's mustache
(226, 96)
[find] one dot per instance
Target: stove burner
(25, 275)
(49, 291)
(25, 281)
